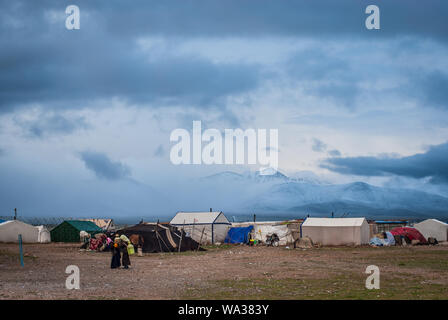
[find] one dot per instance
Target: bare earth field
(227, 272)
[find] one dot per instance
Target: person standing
(124, 248)
(116, 255)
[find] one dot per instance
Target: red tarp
(411, 233)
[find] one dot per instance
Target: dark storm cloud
(42, 62)
(429, 164)
(75, 76)
(103, 167)
(53, 124)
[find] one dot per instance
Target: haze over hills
(301, 195)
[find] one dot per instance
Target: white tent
(10, 230)
(43, 235)
(265, 228)
(337, 231)
(433, 228)
(206, 227)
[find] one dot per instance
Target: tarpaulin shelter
(204, 227)
(160, 237)
(411, 233)
(238, 235)
(68, 231)
(433, 228)
(263, 229)
(337, 231)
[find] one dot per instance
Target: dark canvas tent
(160, 237)
(68, 231)
(238, 235)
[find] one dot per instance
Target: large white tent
(204, 227)
(336, 231)
(10, 230)
(433, 228)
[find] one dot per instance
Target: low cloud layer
(431, 164)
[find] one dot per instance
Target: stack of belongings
(383, 239)
(97, 243)
(409, 235)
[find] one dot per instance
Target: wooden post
(21, 250)
(181, 235)
(200, 241)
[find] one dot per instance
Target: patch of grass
(422, 258)
(334, 287)
(410, 282)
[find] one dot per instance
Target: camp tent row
(10, 230)
(213, 227)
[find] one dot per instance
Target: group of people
(120, 254)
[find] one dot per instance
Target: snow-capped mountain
(355, 198)
(307, 194)
(268, 175)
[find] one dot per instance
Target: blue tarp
(1, 221)
(238, 235)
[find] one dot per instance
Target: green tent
(68, 231)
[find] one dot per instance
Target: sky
(86, 115)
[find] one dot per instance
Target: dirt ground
(227, 272)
